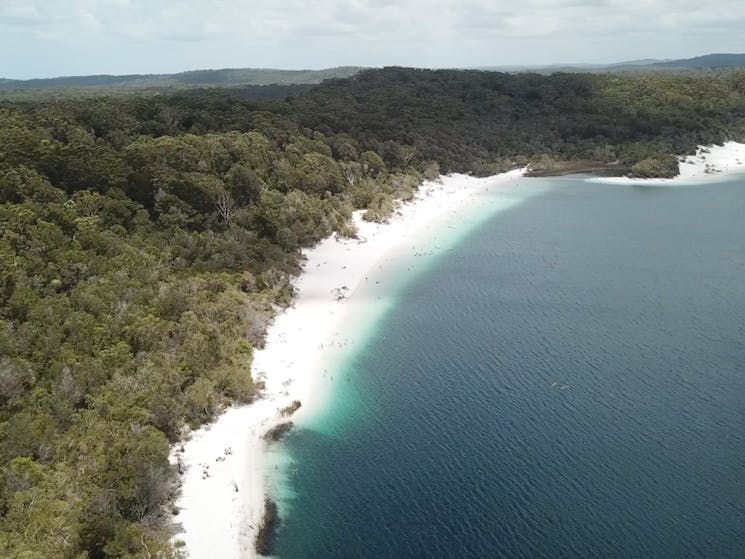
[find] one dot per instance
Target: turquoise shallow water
(568, 381)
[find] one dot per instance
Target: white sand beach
(223, 481)
(709, 164)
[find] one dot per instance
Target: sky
(46, 38)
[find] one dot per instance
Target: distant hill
(223, 77)
(641, 62)
(231, 77)
(570, 67)
(706, 61)
(709, 61)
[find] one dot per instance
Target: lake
(567, 381)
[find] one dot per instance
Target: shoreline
(223, 469)
(709, 164)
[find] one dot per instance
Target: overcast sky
(44, 38)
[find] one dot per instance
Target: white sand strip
(223, 483)
(709, 164)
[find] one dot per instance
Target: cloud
(314, 33)
(285, 20)
(89, 21)
(19, 13)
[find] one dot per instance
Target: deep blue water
(569, 381)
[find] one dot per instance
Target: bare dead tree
(225, 205)
(407, 154)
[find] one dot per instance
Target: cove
(568, 381)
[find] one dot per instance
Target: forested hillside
(481, 121)
(147, 242)
(139, 267)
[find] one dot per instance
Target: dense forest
(483, 121)
(147, 241)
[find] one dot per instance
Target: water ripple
(569, 382)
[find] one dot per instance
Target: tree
(372, 164)
(317, 174)
(244, 184)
